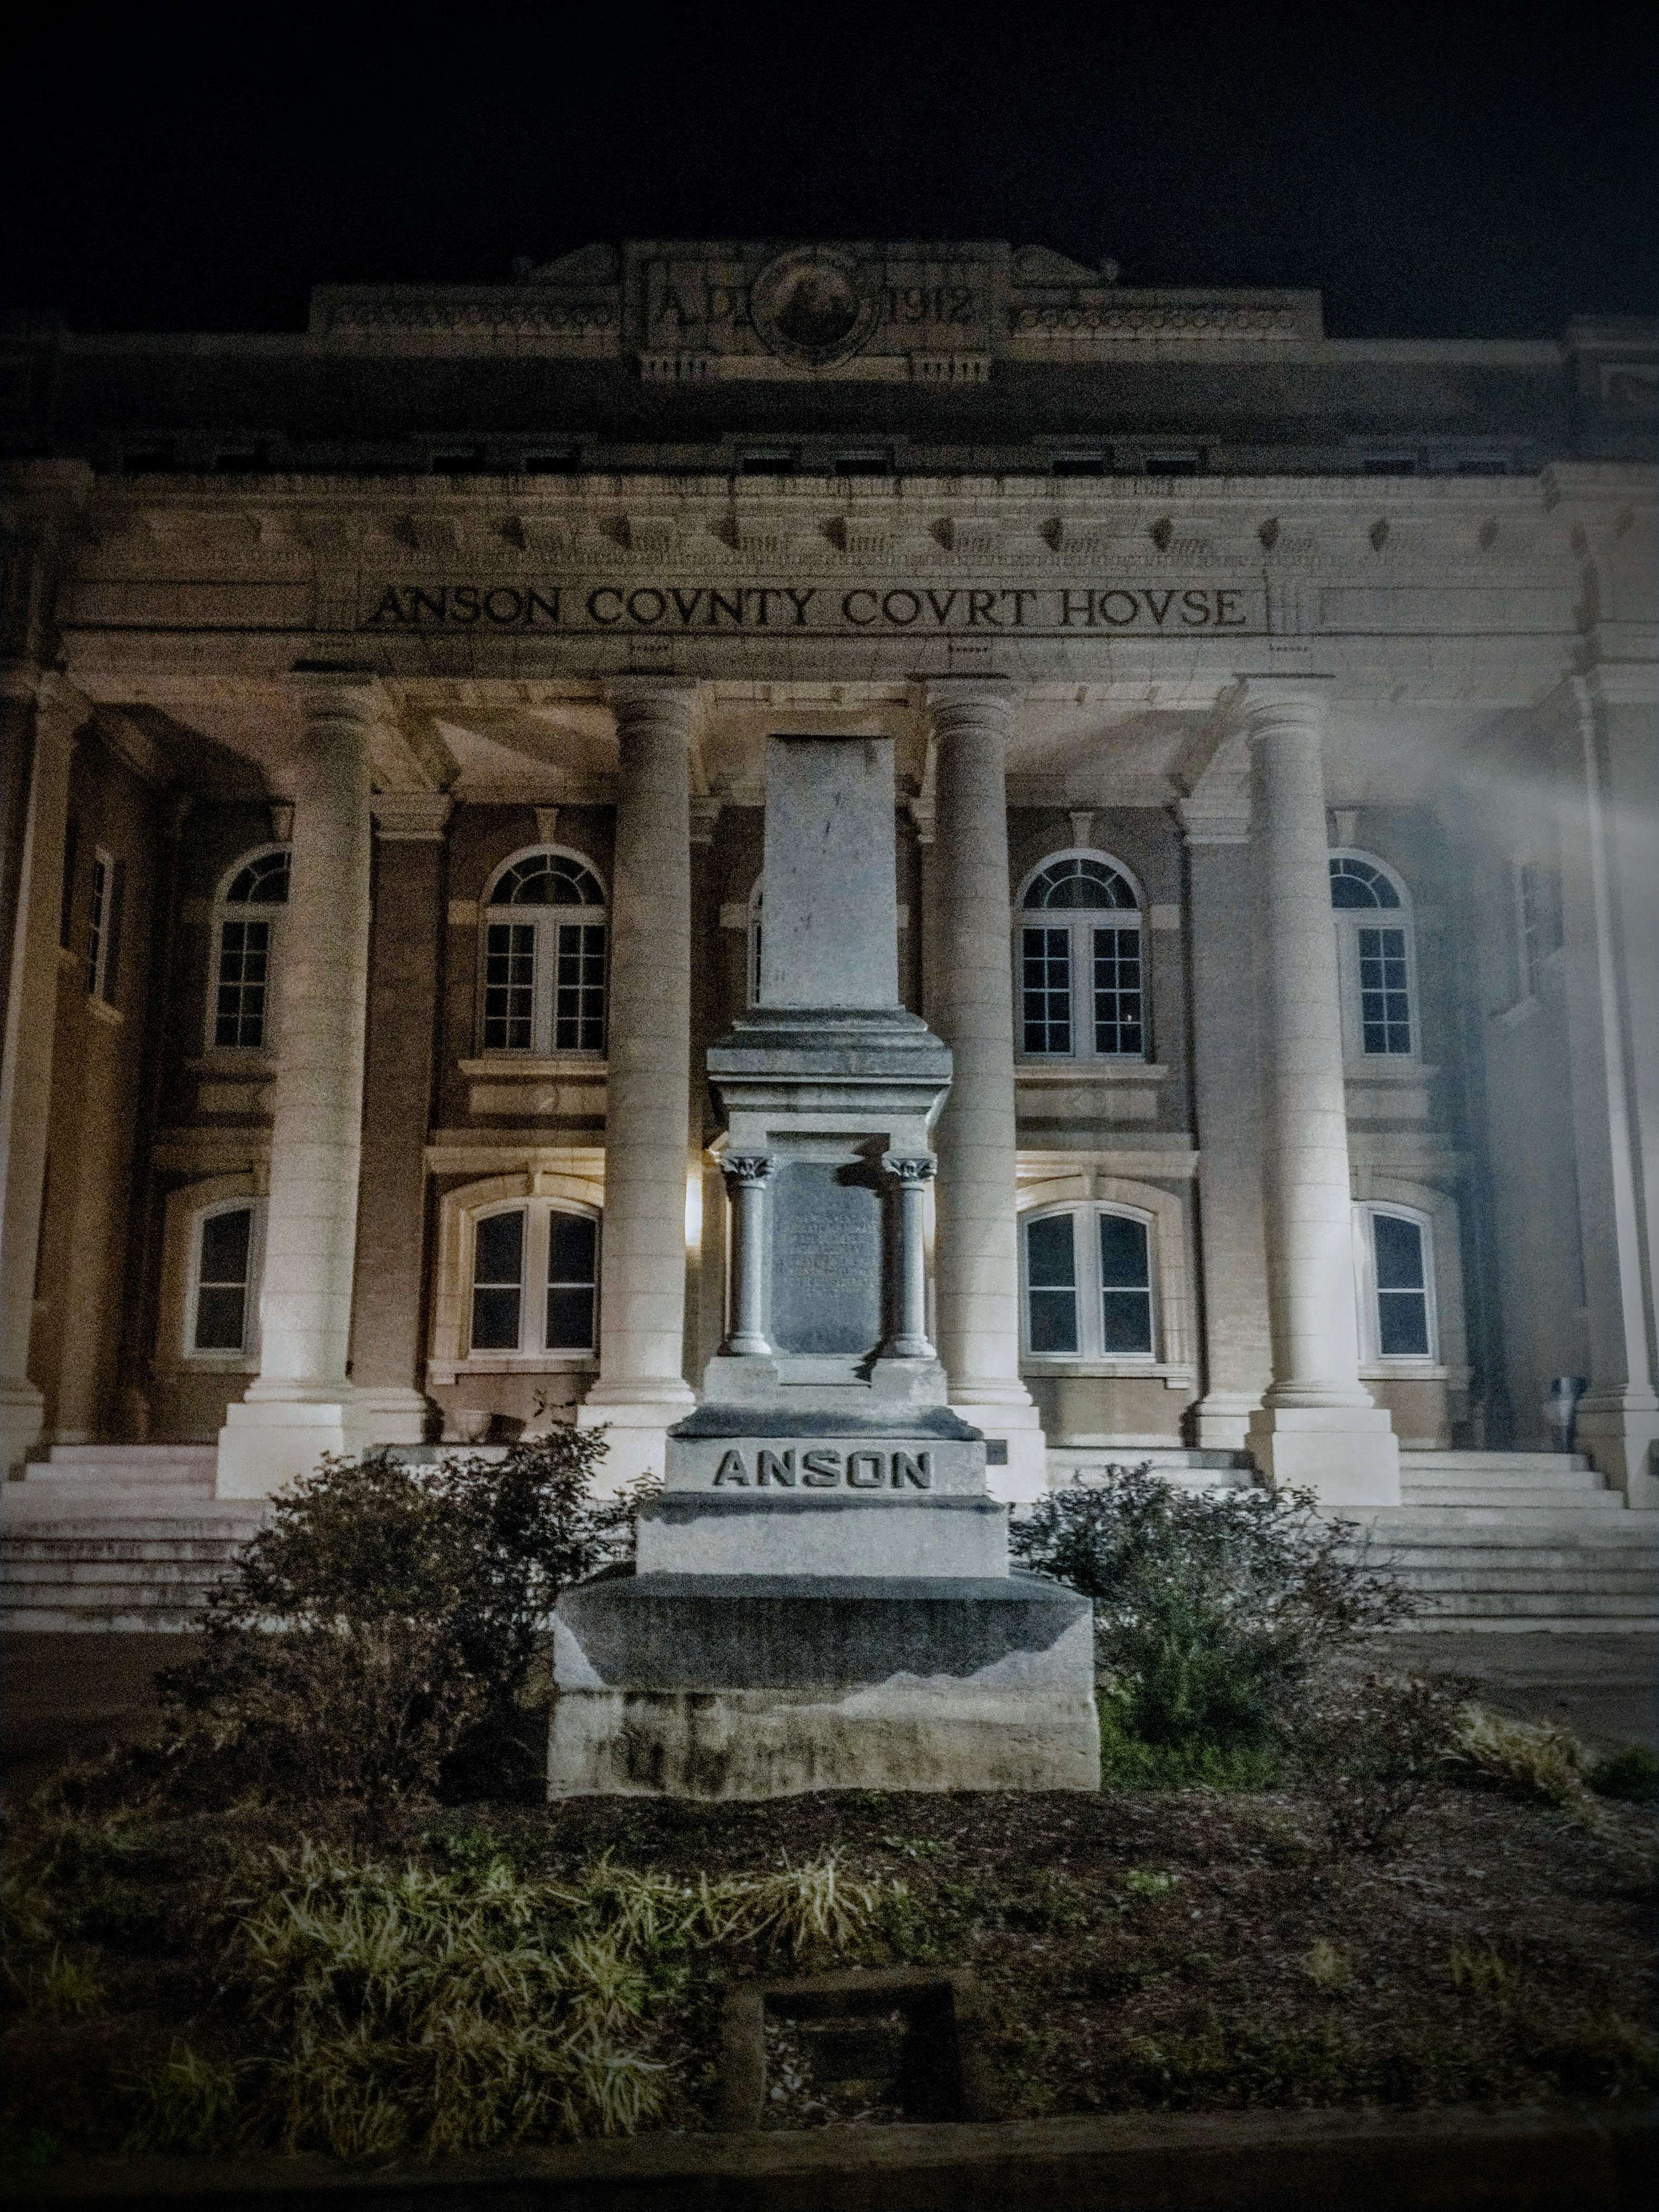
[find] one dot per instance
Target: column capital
(651, 698)
(1218, 823)
(1261, 704)
(747, 1169)
(338, 695)
(910, 1168)
(403, 817)
(990, 701)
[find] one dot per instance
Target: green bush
(377, 1636)
(1373, 1748)
(1632, 1774)
(1212, 1610)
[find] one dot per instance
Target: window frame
(1348, 921)
(1091, 1356)
(544, 923)
(530, 1355)
(1373, 1358)
(102, 907)
(269, 911)
(1079, 923)
(223, 1359)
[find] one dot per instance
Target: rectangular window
(1051, 1284)
(1045, 991)
(1117, 991)
(579, 989)
(509, 986)
(572, 1250)
(1402, 1290)
(222, 1280)
(238, 1016)
(1384, 991)
(497, 1282)
(1125, 1285)
(98, 925)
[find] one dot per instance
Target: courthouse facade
(385, 713)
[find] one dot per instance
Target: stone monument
(821, 1597)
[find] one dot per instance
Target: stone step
(94, 1503)
(102, 1591)
(96, 1562)
(91, 1620)
(1586, 1609)
(1540, 1462)
(1485, 1524)
(202, 1456)
(1615, 1581)
(1490, 1494)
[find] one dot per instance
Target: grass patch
(1127, 1762)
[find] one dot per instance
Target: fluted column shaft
(316, 1138)
(977, 1271)
(911, 1174)
(746, 1175)
(1316, 1337)
(642, 1283)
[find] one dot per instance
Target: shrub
(1531, 1759)
(379, 1629)
(1373, 1748)
(1632, 1774)
(1212, 1610)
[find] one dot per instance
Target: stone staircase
(1069, 1464)
(1519, 1541)
(104, 1537)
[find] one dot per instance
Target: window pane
(238, 1014)
(1399, 1248)
(509, 986)
(579, 990)
(1051, 1275)
(498, 1249)
(569, 1319)
(1078, 882)
(572, 1244)
(1402, 1324)
(1402, 1303)
(1126, 1321)
(225, 1241)
(220, 1315)
(494, 1320)
(1117, 991)
(1385, 996)
(1123, 1253)
(1045, 990)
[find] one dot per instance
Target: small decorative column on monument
(822, 1598)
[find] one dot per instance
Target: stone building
(384, 721)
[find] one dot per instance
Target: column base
(1221, 1421)
(1620, 1434)
(638, 1444)
(1006, 1415)
(390, 1416)
(23, 1417)
(1347, 1455)
(267, 1443)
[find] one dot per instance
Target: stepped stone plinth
(822, 1596)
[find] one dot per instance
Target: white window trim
(1090, 1358)
(450, 1354)
(545, 921)
(1428, 1366)
(1349, 920)
(181, 1263)
(1075, 920)
(225, 910)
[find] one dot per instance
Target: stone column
(1610, 914)
(909, 1339)
(977, 1267)
(1319, 1428)
(642, 1391)
(404, 963)
(1226, 1083)
(26, 1070)
(746, 1175)
(300, 1405)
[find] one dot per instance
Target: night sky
(1452, 173)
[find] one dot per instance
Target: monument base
(716, 1686)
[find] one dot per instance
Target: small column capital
(988, 702)
(653, 699)
(405, 817)
(910, 1170)
(748, 1170)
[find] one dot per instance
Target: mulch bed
(1186, 1950)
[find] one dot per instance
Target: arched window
(220, 1312)
(246, 928)
(544, 956)
(534, 1280)
(1088, 1283)
(1393, 1264)
(1375, 958)
(1081, 972)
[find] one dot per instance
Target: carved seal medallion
(814, 306)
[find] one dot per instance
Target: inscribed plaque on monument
(826, 1260)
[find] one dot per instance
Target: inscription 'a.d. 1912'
(826, 1469)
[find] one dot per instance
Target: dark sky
(1436, 174)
